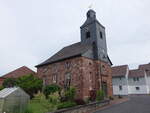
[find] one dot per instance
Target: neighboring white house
(137, 82)
(120, 80)
(127, 81)
(146, 68)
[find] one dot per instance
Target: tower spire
(93, 33)
(91, 14)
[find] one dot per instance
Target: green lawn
(40, 106)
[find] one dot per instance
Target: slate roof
(118, 71)
(70, 51)
(145, 67)
(19, 72)
(136, 73)
(90, 21)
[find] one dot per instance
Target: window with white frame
(54, 78)
(120, 87)
(136, 79)
(137, 88)
(120, 78)
(67, 80)
(67, 65)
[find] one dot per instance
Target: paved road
(136, 104)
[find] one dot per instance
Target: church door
(104, 88)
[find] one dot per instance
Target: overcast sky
(33, 30)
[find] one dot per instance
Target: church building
(84, 65)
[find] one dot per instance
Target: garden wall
(88, 108)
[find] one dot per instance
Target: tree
(1, 87)
(100, 95)
(70, 93)
(50, 89)
(9, 82)
(30, 84)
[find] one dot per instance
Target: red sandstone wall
(85, 74)
(92, 71)
(106, 72)
(60, 69)
(89, 76)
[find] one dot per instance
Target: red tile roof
(136, 73)
(119, 70)
(19, 72)
(148, 73)
(145, 67)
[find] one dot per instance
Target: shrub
(1, 87)
(70, 93)
(87, 100)
(9, 82)
(38, 97)
(66, 105)
(30, 84)
(92, 95)
(39, 104)
(50, 89)
(111, 98)
(54, 98)
(80, 101)
(63, 99)
(100, 95)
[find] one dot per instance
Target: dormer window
(101, 35)
(88, 35)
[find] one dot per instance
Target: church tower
(93, 33)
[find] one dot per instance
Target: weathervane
(90, 6)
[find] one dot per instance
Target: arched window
(54, 78)
(67, 80)
(54, 68)
(67, 65)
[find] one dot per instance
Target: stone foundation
(88, 108)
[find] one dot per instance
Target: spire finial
(90, 6)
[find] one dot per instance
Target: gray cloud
(33, 30)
